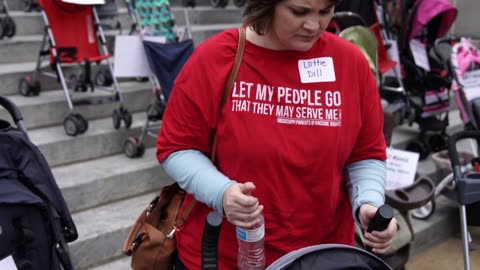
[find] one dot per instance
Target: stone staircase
(104, 189)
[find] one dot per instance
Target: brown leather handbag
(151, 242)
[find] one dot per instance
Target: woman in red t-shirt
(299, 138)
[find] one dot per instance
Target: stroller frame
(8, 27)
(75, 123)
(134, 146)
(62, 227)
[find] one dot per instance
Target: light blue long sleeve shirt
(196, 174)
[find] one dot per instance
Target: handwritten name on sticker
(316, 70)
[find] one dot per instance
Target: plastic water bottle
(251, 247)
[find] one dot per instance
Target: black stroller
(35, 221)
(325, 256)
(426, 80)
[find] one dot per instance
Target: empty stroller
(426, 80)
(35, 223)
(465, 67)
(165, 61)
(71, 31)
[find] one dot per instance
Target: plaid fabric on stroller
(35, 223)
(71, 31)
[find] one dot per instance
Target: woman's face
(297, 24)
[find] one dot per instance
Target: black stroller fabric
(166, 60)
(35, 220)
(329, 257)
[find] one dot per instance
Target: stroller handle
(452, 147)
(444, 40)
(12, 109)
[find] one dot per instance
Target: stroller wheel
(133, 147)
(83, 123)
(103, 77)
(419, 147)
(72, 125)
(127, 117)
(117, 118)
(425, 211)
(28, 88)
(437, 143)
(27, 5)
(219, 3)
(239, 3)
(2, 28)
(189, 3)
(10, 28)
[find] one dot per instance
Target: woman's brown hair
(259, 13)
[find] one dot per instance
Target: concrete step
(102, 230)
(92, 183)
(11, 73)
(32, 23)
(100, 140)
(50, 108)
(121, 263)
(440, 226)
(26, 48)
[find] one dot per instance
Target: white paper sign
(419, 51)
(316, 70)
(401, 168)
(85, 2)
(130, 58)
(471, 84)
(7, 264)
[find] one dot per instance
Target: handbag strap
(226, 91)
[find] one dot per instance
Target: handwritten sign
(401, 168)
(316, 70)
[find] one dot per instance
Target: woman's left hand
(378, 241)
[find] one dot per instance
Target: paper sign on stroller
(401, 168)
(7, 264)
(130, 58)
(419, 52)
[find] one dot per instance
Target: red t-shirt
(290, 124)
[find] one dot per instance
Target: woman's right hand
(240, 207)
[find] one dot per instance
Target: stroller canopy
(166, 61)
(364, 38)
(426, 10)
(329, 257)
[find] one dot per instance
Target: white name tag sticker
(316, 70)
(401, 168)
(7, 264)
